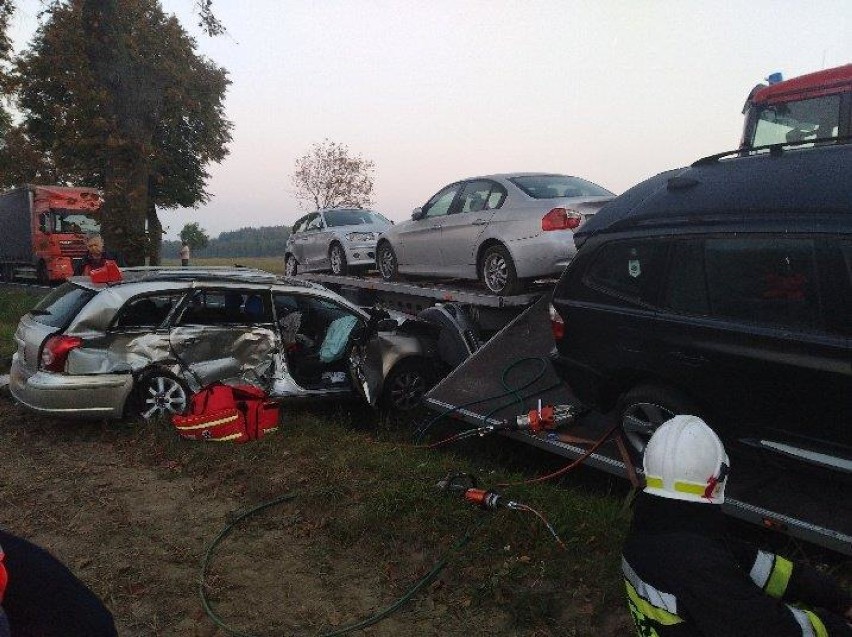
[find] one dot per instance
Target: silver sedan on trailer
(500, 229)
(336, 239)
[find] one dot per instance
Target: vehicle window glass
(629, 269)
(298, 226)
(765, 281)
(474, 196)
(686, 289)
(496, 197)
(554, 186)
(61, 305)
(816, 118)
(227, 307)
(147, 311)
(314, 223)
(353, 217)
(75, 221)
(439, 205)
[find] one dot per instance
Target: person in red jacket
(96, 256)
(685, 578)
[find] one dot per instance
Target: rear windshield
(58, 308)
(354, 217)
(555, 186)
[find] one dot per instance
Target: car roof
(811, 85)
(770, 186)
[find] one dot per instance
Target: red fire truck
(43, 231)
(816, 106)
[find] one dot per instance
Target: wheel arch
(485, 245)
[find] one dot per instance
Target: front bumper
(544, 255)
(93, 396)
(360, 253)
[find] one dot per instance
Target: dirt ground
(131, 510)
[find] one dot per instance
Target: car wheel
(497, 271)
(160, 394)
(337, 258)
(406, 385)
(388, 265)
(41, 274)
(646, 407)
(291, 266)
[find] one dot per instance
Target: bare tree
(328, 176)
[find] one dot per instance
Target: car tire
(291, 266)
(405, 386)
(159, 394)
(337, 259)
(645, 407)
(497, 272)
(41, 274)
(387, 262)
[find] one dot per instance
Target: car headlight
(361, 236)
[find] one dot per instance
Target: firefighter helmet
(685, 460)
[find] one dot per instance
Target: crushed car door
(365, 364)
(226, 335)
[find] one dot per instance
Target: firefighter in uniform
(684, 577)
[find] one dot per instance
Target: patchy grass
(13, 305)
(270, 264)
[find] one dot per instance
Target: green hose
(348, 628)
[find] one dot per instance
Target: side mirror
(386, 325)
(417, 213)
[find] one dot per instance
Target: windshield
(74, 221)
(61, 305)
(354, 217)
(554, 186)
(817, 118)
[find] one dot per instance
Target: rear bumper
(94, 396)
(544, 255)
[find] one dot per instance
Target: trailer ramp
(764, 488)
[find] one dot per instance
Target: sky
(436, 91)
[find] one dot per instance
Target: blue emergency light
(774, 78)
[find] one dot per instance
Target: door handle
(480, 222)
(689, 358)
(436, 227)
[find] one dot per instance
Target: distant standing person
(96, 256)
(184, 254)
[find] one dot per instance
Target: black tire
(337, 260)
(497, 272)
(406, 385)
(159, 394)
(387, 262)
(291, 266)
(41, 274)
(645, 407)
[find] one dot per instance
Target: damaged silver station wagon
(144, 345)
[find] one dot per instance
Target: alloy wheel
(387, 262)
(290, 266)
(496, 272)
(336, 259)
(163, 396)
(407, 390)
(640, 421)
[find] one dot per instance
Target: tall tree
(117, 96)
(195, 236)
(6, 8)
(328, 176)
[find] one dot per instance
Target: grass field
(270, 264)
(12, 306)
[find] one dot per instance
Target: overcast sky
(435, 91)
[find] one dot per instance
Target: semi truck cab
(816, 106)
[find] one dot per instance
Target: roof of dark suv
(805, 181)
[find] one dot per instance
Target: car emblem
(634, 269)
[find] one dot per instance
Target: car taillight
(54, 353)
(557, 325)
(561, 219)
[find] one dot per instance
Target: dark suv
(722, 289)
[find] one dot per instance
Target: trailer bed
(763, 488)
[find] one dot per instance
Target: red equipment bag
(225, 413)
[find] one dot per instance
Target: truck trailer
(44, 231)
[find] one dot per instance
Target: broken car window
(227, 307)
(147, 311)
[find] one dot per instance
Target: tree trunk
(126, 202)
(155, 234)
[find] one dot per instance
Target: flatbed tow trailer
(762, 488)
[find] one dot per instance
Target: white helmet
(685, 460)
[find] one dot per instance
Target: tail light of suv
(54, 352)
(557, 325)
(561, 219)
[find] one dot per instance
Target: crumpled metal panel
(119, 353)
